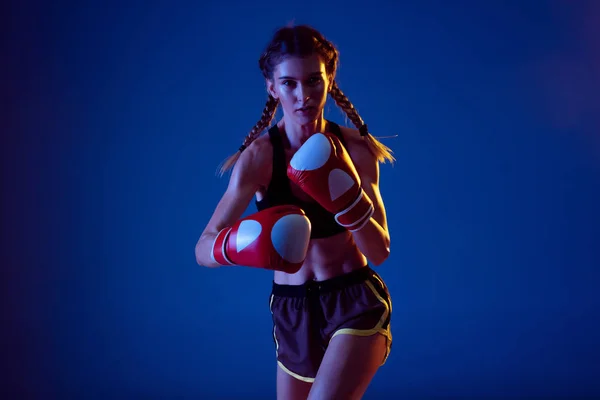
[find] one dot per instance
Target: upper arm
(367, 166)
(368, 170)
(370, 183)
(246, 178)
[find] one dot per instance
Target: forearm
(373, 241)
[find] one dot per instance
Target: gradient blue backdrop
(117, 114)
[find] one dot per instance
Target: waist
(326, 258)
(355, 276)
(312, 271)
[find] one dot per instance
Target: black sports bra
(279, 191)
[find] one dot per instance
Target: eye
(287, 83)
(315, 80)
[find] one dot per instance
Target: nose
(303, 94)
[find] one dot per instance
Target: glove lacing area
(357, 214)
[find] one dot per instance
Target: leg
(348, 367)
(290, 388)
(298, 356)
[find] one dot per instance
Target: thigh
(362, 308)
(348, 367)
(290, 388)
(299, 350)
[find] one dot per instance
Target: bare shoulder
(254, 163)
(261, 148)
(351, 134)
(364, 160)
(246, 178)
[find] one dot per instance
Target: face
(301, 85)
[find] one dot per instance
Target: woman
(320, 222)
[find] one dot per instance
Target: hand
(324, 170)
(275, 238)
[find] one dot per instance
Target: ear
(271, 88)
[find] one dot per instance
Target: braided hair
(303, 40)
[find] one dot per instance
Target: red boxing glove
(275, 238)
(323, 169)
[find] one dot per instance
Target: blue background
(117, 114)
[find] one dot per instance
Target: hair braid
(265, 120)
(381, 151)
(302, 41)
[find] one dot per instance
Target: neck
(297, 134)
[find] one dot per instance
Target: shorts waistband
(313, 287)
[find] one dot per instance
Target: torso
(326, 257)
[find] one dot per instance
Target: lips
(305, 109)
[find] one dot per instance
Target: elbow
(382, 254)
(204, 256)
(381, 257)
(197, 252)
(200, 256)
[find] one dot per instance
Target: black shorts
(306, 317)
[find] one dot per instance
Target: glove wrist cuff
(218, 252)
(357, 214)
